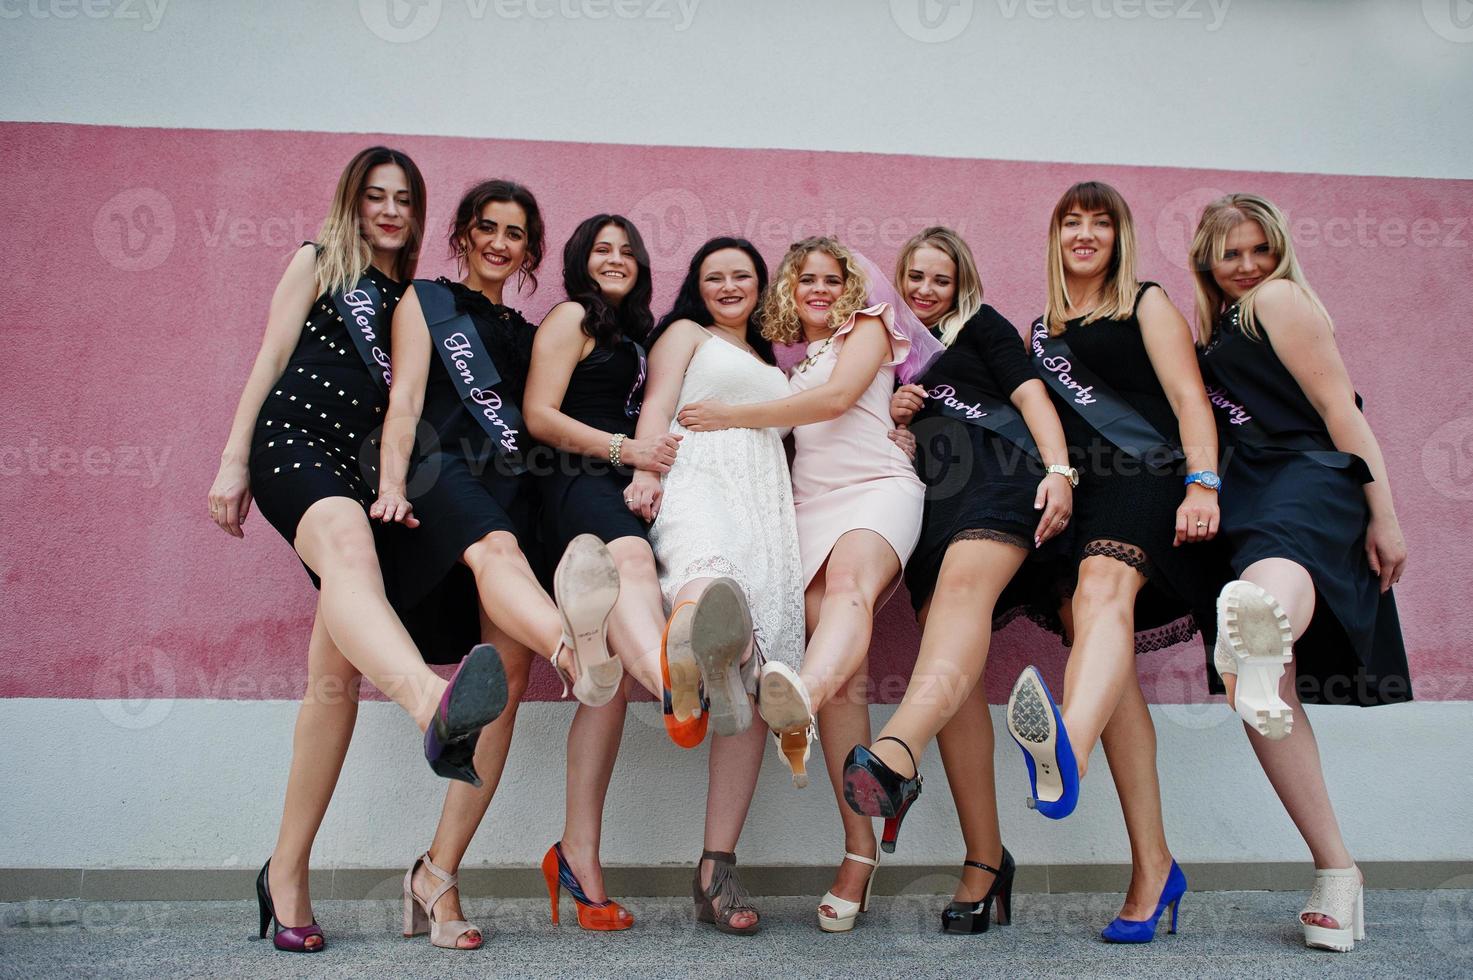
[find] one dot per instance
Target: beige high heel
(418, 912)
(1340, 894)
(783, 701)
(846, 913)
(586, 586)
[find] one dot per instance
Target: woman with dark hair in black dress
(1118, 360)
(314, 400)
(1308, 520)
(584, 392)
(460, 367)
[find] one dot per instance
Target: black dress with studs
(317, 436)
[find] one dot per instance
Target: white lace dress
(728, 502)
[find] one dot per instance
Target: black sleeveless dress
(979, 484)
(317, 436)
(461, 487)
(1288, 493)
(585, 494)
(317, 433)
(1125, 508)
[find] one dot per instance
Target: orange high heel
(605, 916)
(680, 677)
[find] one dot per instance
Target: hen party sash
(1240, 428)
(998, 417)
(359, 309)
(1096, 402)
(471, 369)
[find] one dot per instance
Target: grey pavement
(1222, 934)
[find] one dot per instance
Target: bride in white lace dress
(725, 541)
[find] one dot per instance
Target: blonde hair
(780, 322)
(968, 282)
(344, 254)
(1117, 299)
(1209, 245)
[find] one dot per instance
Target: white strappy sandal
(845, 911)
(1255, 641)
(586, 586)
(785, 706)
(1340, 894)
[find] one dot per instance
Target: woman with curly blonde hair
(858, 503)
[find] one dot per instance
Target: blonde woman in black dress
(1312, 532)
(302, 447)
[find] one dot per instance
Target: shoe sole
(784, 711)
(586, 585)
(720, 632)
(1261, 642)
(480, 693)
(1031, 723)
(865, 795)
(680, 664)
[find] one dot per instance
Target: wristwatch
(1067, 472)
(1207, 478)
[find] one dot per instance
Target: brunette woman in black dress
(1119, 362)
(1308, 520)
(314, 400)
(460, 366)
(983, 421)
(584, 392)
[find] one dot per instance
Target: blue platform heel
(1133, 931)
(1038, 728)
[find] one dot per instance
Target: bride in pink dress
(858, 503)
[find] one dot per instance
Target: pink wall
(141, 262)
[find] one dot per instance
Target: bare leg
(1102, 663)
(320, 744)
(736, 762)
(465, 806)
(954, 647)
(1292, 764)
(860, 567)
(593, 747)
(511, 595)
(1130, 747)
(843, 723)
(638, 620)
(335, 540)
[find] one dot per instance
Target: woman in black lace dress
(309, 415)
(1308, 521)
(1119, 362)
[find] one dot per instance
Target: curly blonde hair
(780, 322)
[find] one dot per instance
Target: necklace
(811, 359)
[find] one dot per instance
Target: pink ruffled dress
(847, 474)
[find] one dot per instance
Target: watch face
(1210, 480)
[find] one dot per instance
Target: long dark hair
(468, 212)
(602, 321)
(690, 306)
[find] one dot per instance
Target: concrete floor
(1223, 934)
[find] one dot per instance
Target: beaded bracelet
(615, 446)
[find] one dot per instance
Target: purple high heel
(474, 698)
(288, 939)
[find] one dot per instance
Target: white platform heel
(845, 911)
(1340, 894)
(1254, 642)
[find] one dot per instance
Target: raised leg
(1102, 663)
(511, 595)
(859, 568)
(638, 619)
